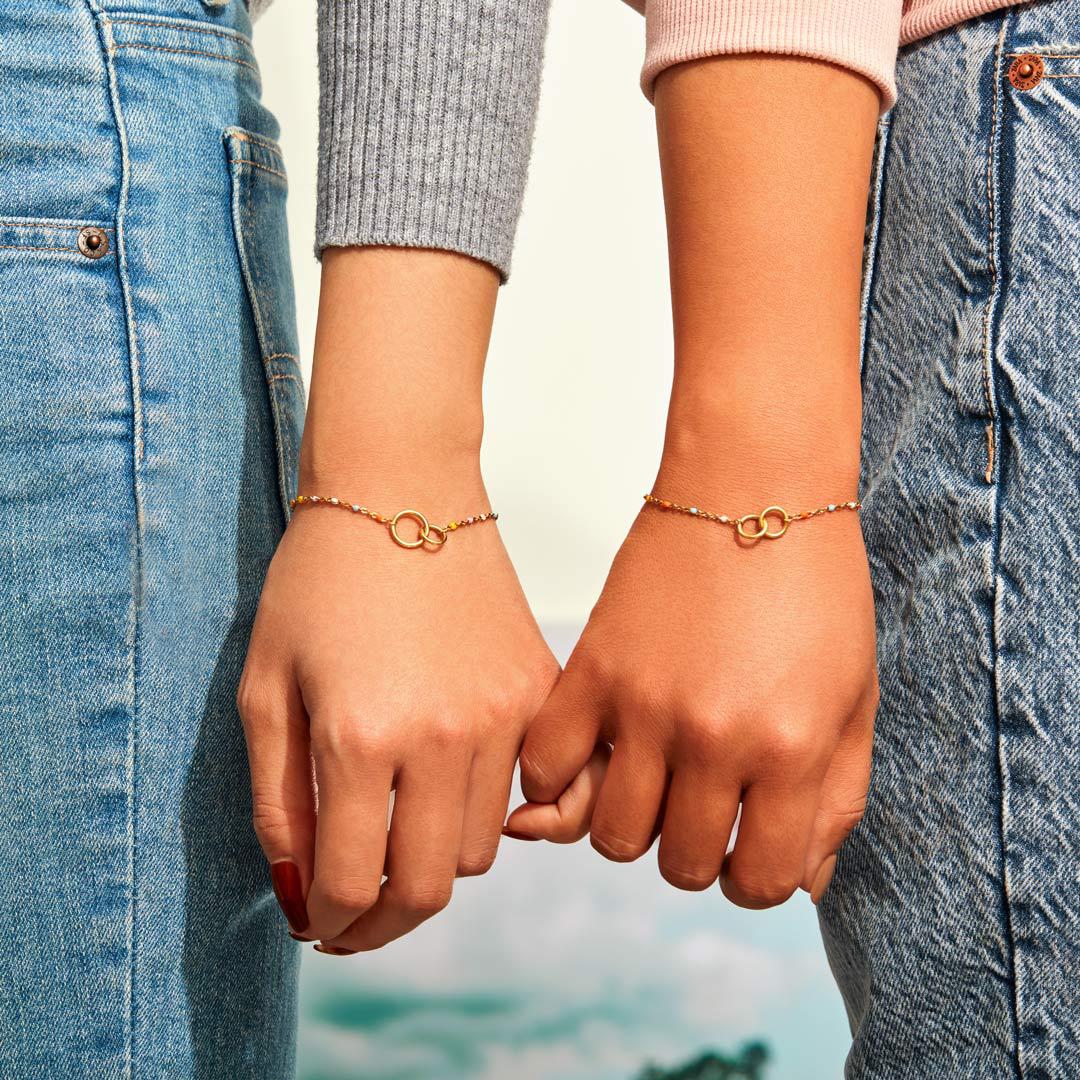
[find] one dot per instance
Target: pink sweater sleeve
(862, 35)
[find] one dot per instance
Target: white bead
(334, 502)
(693, 509)
(355, 509)
(831, 507)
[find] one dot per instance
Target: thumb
(561, 738)
(569, 819)
(843, 800)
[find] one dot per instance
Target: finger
(843, 800)
(698, 818)
(628, 806)
(569, 819)
(354, 775)
(766, 864)
(562, 737)
(282, 792)
(425, 840)
(486, 800)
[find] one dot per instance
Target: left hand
(723, 674)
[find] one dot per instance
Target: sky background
(558, 965)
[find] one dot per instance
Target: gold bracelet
(435, 535)
(762, 519)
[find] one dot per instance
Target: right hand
(380, 669)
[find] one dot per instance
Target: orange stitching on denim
(1047, 56)
(258, 140)
(45, 225)
(285, 375)
(992, 160)
(281, 356)
(256, 165)
(1077, 76)
(34, 247)
(188, 52)
(182, 27)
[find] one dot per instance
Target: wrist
(757, 443)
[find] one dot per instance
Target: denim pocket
(259, 189)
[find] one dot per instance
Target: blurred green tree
(748, 1064)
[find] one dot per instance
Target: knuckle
(474, 863)
(701, 735)
(842, 820)
(593, 666)
(447, 732)
(347, 737)
(690, 879)
(270, 821)
(534, 767)
(250, 700)
(752, 890)
(618, 848)
(350, 894)
(793, 745)
(424, 899)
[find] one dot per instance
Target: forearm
(766, 165)
(395, 406)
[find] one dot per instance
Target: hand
(722, 673)
(379, 669)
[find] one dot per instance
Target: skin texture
(374, 669)
(723, 673)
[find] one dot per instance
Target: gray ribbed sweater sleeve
(426, 117)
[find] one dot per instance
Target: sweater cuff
(426, 117)
(856, 34)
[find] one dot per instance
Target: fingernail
(297, 937)
(515, 835)
(822, 878)
(333, 950)
(290, 893)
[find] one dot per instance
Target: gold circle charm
(425, 529)
(762, 520)
(774, 511)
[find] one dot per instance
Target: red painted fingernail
(290, 893)
(515, 835)
(333, 950)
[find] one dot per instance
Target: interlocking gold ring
(429, 534)
(762, 519)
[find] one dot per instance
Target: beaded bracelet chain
(434, 535)
(761, 521)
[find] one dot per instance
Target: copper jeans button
(1026, 71)
(93, 242)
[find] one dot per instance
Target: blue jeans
(953, 921)
(150, 415)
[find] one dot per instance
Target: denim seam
(265, 168)
(185, 52)
(872, 241)
(138, 568)
(181, 28)
(58, 248)
(993, 478)
(246, 136)
(235, 174)
(44, 225)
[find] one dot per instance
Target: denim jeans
(150, 414)
(953, 921)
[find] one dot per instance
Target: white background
(580, 365)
